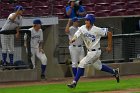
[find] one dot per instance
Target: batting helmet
(75, 19)
(37, 21)
(90, 17)
(18, 7)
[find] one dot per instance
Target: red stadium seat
(26, 5)
(120, 2)
(137, 12)
(116, 7)
(102, 13)
(5, 1)
(59, 12)
(58, 3)
(117, 13)
(45, 11)
(133, 1)
(102, 10)
(24, 0)
(90, 9)
(7, 6)
(37, 12)
(60, 16)
(102, 2)
(135, 6)
(28, 13)
(5, 13)
(38, 4)
(130, 12)
(87, 3)
(98, 8)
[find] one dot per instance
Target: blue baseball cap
(75, 19)
(18, 7)
(37, 21)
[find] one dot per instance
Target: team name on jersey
(92, 37)
(36, 36)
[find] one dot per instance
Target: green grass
(82, 87)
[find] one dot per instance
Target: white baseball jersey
(7, 41)
(36, 37)
(92, 41)
(91, 37)
(10, 24)
(71, 33)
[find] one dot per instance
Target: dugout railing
(27, 64)
(125, 48)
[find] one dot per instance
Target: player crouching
(36, 45)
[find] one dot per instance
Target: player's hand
(17, 35)
(25, 45)
(71, 41)
(108, 49)
(69, 20)
(41, 50)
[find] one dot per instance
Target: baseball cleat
(43, 76)
(72, 85)
(117, 76)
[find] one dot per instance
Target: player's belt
(77, 45)
(94, 49)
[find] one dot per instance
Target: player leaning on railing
(13, 22)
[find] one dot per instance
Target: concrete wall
(130, 68)
(19, 75)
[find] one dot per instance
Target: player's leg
(81, 54)
(33, 57)
(81, 68)
(99, 66)
(43, 60)
(11, 48)
(4, 48)
(74, 58)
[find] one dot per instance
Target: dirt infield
(66, 80)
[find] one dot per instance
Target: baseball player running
(91, 36)
(13, 22)
(36, 45)
(76, 48)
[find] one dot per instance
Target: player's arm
(41, 43)
(68, 26)
(13, 17)
(109, 47)
(17, 34)
(76, 35)
(41, 47)
(25, 40)
(69, 10)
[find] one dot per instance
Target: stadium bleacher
(101, 8)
